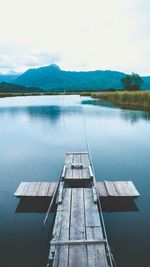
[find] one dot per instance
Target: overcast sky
(75, 34)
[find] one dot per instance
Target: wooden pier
(106, 189)
(79, 238)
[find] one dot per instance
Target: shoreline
(137, 100)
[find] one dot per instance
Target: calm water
(35, 134)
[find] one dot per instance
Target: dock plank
(43, 189)
(133, 190)
(85, 160)
(77, 253)
(101, 188)
(75, 173)
(77, 159)
(51, 189)
(62, 233)
(96, 253)
(111, 190)
(69, 159)
(69, 173)
(22, 189)
(91, 209)
(33, 189)
(122, 188)
(86, 173)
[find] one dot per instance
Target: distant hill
(52, 78)
(8, 78)
(13, 88)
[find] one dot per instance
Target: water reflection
(52, 113)
(118, 204)
(109, 204)
(132, 116)
(96, 102)
(39, 205)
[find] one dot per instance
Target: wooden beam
(77, 242)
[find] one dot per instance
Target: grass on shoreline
(134, 100)
(125, 99)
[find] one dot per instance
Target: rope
(111, 258)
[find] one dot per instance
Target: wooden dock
(79, 238)
(78, 234)
(106, 189)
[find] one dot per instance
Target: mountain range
(13, 88)
(52, 78)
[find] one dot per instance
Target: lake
(35, 134)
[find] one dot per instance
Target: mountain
(8, 78)
(52, 78)
(13, 88)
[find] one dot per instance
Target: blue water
(35, 134)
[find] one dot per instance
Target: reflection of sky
(29, 101)
(51, 108)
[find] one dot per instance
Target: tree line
(132, 82)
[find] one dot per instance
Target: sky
(75, 34)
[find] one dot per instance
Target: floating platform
(115, 189)
(79, 237)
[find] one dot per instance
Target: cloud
(24, 59)
(76, 34)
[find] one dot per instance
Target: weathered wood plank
(86, 174)
(96, 252)
(33, 189)
(61, 230)
(77, 253)
(43, 189)
(101, 188)
(69, 173)
(111, 190)
(53, 253)
(77, 159)
(133, 190)
(69, 158)
(51, 189)
(75, 173)
(91, 210)
(22, 189)
(78, 242)
(80, 173)
(121, 188)
(85, 160)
